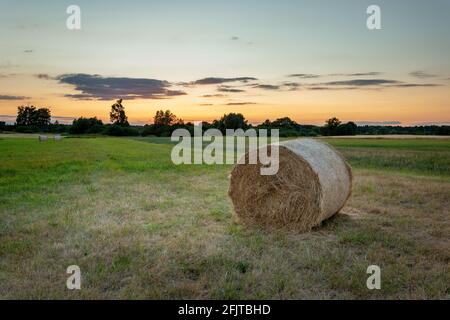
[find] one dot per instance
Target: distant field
(140, 227)
(430, 157)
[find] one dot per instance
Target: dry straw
(312, 184)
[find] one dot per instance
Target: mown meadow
(140, 227)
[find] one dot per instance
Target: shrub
(119, 131)
(83, 125)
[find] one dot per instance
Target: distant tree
(25, 115)
(331, 126)
(30, 116)
(285, 122)
(166, 118)
(333, 123)
(86, 125)
(42, 117)
(117, 114)
(231, 121)
(116, 130)
(347, 129)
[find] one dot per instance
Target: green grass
(426, 157)
(140, 227)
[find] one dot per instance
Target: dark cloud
(229, 89)
(205, 104)
(366, 83)
(422, 75)
(43, 76)
(8, 97)
(96, 87)
(7, 75)
(240, 103)
(304, 75)
(214, 80)
(318, 88)
(28, 51)
(267, 87)
(218, 95)
(291, 86)
(357, 74)
(361, 82)
(234, 38)
(412, 85)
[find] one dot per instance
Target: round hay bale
(312, 184)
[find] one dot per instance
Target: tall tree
(231, 121)
(30, 116)
(117, 114)
(42, 117)
(331, 126)
(165, 118)
(25, 115)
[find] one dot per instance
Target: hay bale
(312, 184)
(42, 138)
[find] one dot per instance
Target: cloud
(286, 86)
(229, 89)
(234, 38)
(7, 75)
(318, 88)
(367, 83)
(422, 75)
(357, 74)
(291, 86)
(96, 87)
(8, 97)
(240, 103)
(214, 80)
(378, 123)
(218, 95)
(43, 76)
(361, 82)
(28, 51)
(304, 75)
(266, 87)
(412, 85)
(205, 104)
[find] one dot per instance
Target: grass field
(140, 227)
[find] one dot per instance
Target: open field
(140, 227)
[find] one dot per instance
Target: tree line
(31, 119)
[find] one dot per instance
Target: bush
(118, 131)
(83, 125)
(26, 129)
(158, 130)
(95, 129)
